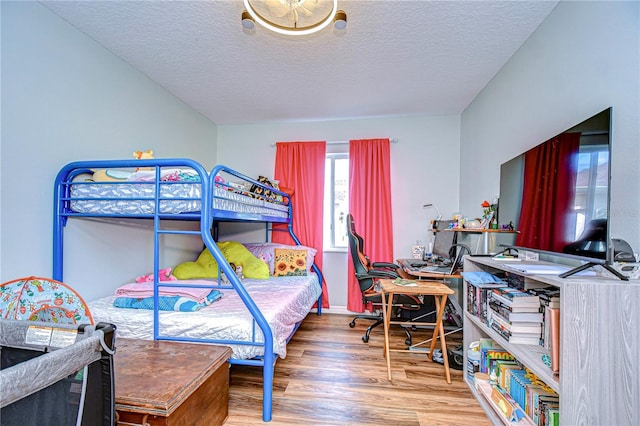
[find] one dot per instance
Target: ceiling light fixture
(293, 17)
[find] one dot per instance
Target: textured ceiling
(394, 58)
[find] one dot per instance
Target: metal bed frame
(208, 216)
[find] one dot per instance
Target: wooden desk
(411, 273)
(171, 383)
(439, 291)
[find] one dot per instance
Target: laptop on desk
(443, 242)
(446, 268)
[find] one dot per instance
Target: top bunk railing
(131, 189)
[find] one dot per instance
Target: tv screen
(557, 193)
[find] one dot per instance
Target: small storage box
(171, 383)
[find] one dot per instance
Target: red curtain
(370, 205)
(300, 166)
(550, 171)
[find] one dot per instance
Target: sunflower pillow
(289, 262)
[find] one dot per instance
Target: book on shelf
(518, 338)
(552, 416)
(477, 301)
(514, 327)
(515, 298)
(547, 406)
(518, 316)
(510, 408)
(483, 279)
(554, 338)
(490, 350)
(518, 386)
(535, 394)
(522, 282)
(498, 370)
(549, 295)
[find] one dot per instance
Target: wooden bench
(171, 383)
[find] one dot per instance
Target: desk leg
(443, 343)
(436, 326)
(438, 329)
(386, 318)
(485, 242)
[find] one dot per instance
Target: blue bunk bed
(163, 190)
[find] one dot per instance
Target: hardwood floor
(330, 377)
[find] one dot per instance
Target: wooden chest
(171, 383)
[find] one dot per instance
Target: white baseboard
(338, 310)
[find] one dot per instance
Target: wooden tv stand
(599, 378)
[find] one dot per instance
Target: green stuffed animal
(206, 265)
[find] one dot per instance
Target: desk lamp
(438, 217)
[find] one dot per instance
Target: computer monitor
(443, 239)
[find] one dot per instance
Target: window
(336, 201)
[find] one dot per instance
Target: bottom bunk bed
(222, 316)
(284, 302)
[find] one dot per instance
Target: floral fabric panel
(42, 300)
(288, 262)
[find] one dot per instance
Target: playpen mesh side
(42, 385)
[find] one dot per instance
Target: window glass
(336, 201)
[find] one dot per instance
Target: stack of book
(515, 393)
(515, 315)
(479, 285)
(549, 299)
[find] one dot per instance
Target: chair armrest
(376, 273)
(385, 265)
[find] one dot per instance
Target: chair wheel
(365, 339)
(352, 324)
(407, 342)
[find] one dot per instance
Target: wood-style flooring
(331, 377)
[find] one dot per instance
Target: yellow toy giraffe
(143, 155)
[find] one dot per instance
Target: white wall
(66, 98)
(424, 169)
(581, 60)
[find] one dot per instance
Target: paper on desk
(404, 282)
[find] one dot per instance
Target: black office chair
(368, 274)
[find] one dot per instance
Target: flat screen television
(557, 194)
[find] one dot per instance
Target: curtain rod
(392, 140)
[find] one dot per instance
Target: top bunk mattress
(283, 301)
(133, 198)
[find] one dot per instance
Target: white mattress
(125, 198)
(284, 301)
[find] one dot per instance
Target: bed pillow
(289, 262)
(206, 265)
(266, 252)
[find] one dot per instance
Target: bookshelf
(599, 378)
